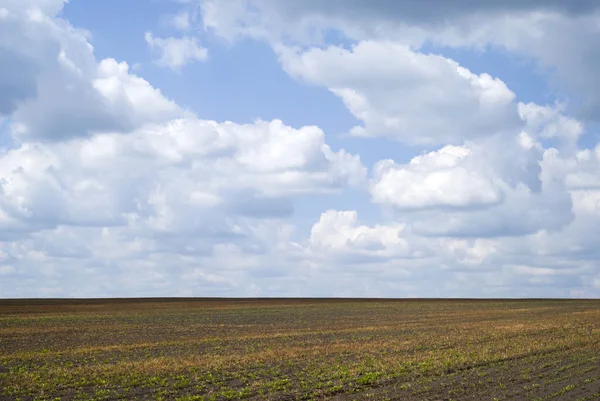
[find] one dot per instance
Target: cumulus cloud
(117, 261)
(53, 86)
(474, 190)
(110, 182)
(109, 188)
(522, 213)
(580, 171)
(560, 36)
(561, 44)
(405, 95)
(339, 232)
(437, 179)
(167, 177)
(576, 243)
(551, 122)
(174, 53)
(154, 211)
(468, 254)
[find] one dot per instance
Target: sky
(257, 148)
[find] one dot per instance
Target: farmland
(299, 349)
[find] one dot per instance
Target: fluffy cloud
(339, 232)
(579, 171)
(154, 211)
(480, 267)
(468, 254)
(110, 182)
(578, 240)
(176, 52)
(550, 122)
(522, 213)
(475, 191)
(405, 95)
(561, 44)
(109, 188)
(53, 87)
(167, 177)
(437, 179)
(560, 36)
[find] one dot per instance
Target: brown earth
(299, 349)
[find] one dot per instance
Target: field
(299, 349)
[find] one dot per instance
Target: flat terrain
(188, 349)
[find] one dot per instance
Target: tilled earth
(299, 349)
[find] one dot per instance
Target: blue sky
(265, 148)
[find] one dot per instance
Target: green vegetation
(212, 350)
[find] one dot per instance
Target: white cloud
(174, 53)
(53, 87)
(562, 44)
(339, 232)
(580, 171)
(405, 95)
(473, 254)
(474, 190)
(551, 122)
(577, 241)
(167, 177)
(111, 189)
(121, 90)
(438, 179)
(111, 183)
(560, 36)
